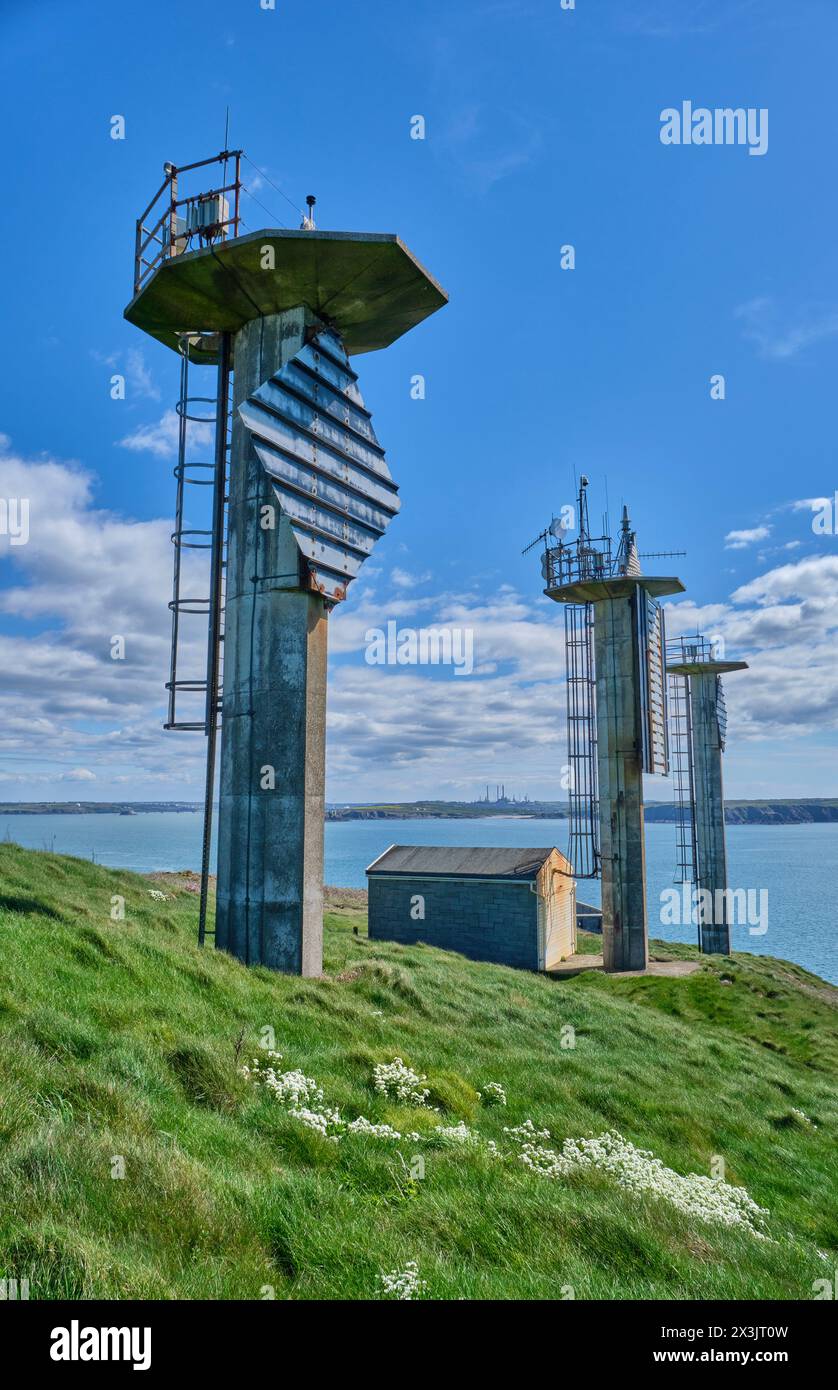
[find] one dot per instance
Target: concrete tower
(309, 493)
(617, 721)
(707, 733)
(629, 742)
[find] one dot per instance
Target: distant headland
(780, 811)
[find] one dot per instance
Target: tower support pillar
(272, 785)
(710, 814)
(622, 841)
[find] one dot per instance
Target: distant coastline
(805, 811)
(776, 812)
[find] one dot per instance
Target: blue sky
(542, 130)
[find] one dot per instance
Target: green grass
(123, 1039)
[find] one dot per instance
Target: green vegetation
(121, 1039)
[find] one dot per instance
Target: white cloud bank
(70, 712)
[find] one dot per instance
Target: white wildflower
(637, 1170)
(458, 1134)
(526, 1133)
(158, 896)
(400, 1081)
(325, 1122)
(365, 1126)
(403, 1284)
(493, 1094)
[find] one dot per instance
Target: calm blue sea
(796, 864)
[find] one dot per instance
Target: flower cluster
(304, 1101)
(158, 896)
(455, 1135)
(325, 1122)
(401, 1082)
(404, 1284)
(641, 1174)
(493, 1094)
(364, 1126)
(526, 1133)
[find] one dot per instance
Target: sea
(791, 871)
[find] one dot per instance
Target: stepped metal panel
(314, 437)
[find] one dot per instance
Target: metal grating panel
(314, 437)
(651, 651)
(721, 713)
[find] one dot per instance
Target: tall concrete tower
(699, 709)
(302, 493)
(617, 727)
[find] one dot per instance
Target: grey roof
(461, 861)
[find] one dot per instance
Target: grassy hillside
(121, 1040)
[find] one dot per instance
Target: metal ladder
(212, 540)
(583, 792)
(683, 771)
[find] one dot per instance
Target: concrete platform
(574, 965)
(368, 284)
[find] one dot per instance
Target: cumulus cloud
(739, 540)
(86, 577)
(161, 436)
(69, 711)
(784, 623)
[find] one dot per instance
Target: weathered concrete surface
(622, 839)
(709, 793)
(271, 800)
(710, 811)
(619, 758)
(368, 284)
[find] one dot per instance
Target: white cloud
(161, 437)
(404, 580)
(811, 504)
(739, 540)
(87, 574)
(778, 340)
(140, 379)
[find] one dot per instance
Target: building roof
(459, 861)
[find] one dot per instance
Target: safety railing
(174, 221)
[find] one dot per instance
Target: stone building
(511, 906)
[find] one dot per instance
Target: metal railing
(170, 223)
(584, 559)
(684, 651)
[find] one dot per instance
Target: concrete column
(710, 811)
(271, 800)
(622, 840)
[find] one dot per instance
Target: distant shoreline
(804, 811)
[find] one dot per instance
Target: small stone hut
(511, 906)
